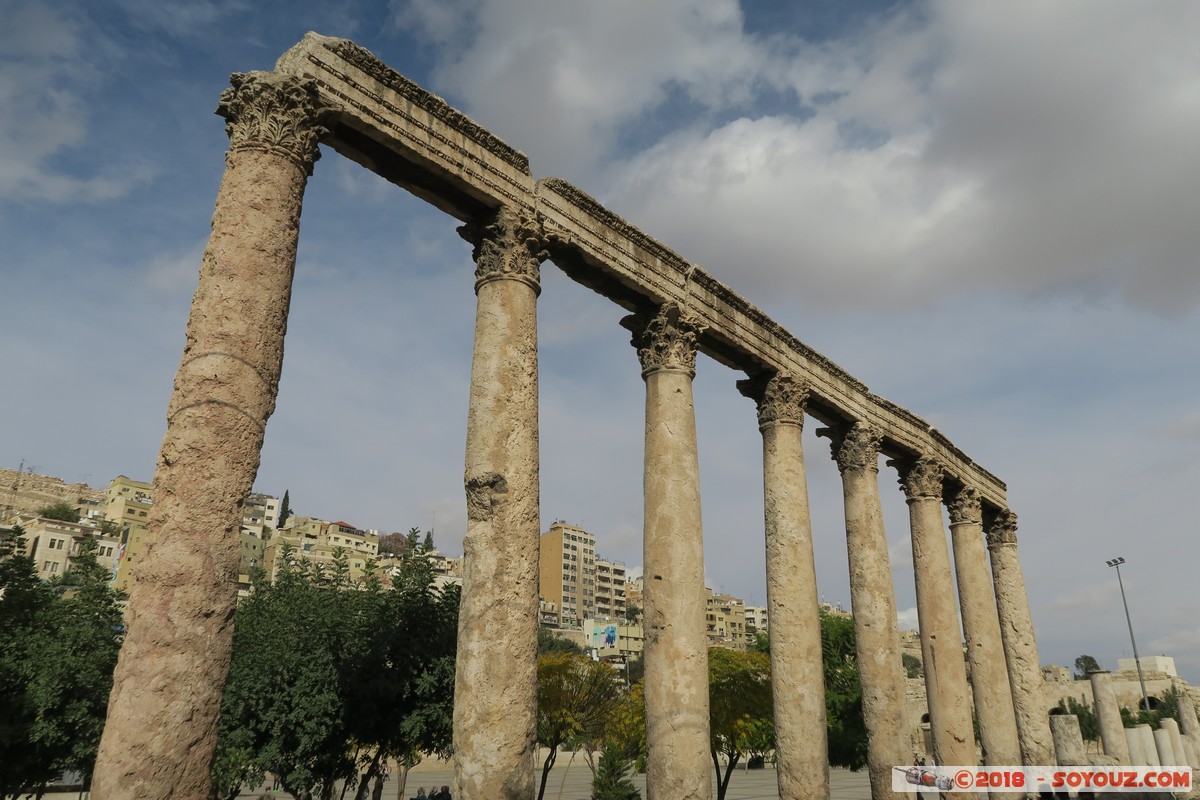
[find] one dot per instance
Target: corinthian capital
(781, 399)
(854, 447)
(1003, 530)
(274, 113)
(666, 341)
(920, 477)
(965, 508)
(511, 245)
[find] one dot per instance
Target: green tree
(285, 510)
(740, 710)
(761, 643)
(847, 732)
(633, 613)
(57, 667)
(611, 781)
(61, 510)
(427, 545)
(24, 603)
(912, 665)
(577, 698)
(1085, 664)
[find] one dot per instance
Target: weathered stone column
(1182, 757)
(1188, 722)
(797, 672)
(981, 628)
(873, 601)
(1133, 738)
(1165, 748)
(1020, 646)
(495, 684)
(1068, 740)
(1149, 745)
(161, 731)
(677, 739)
(941, 640)
(1108, 715)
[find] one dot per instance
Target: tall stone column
(676, 655)
(981, 629)
(1108, 715)
(797, 671)
(161, 731)
(941, 640)
(495, 683)
(873, 601)
(1020, 646)
(1188, 722)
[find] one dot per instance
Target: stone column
(797, 670)
(1189, 747)
(1020, 646)
(495, 684)
(676, 655)
(1182, 757)
(161, 731)
(873, 601)
(981, 628)
(1165, 748)
(1068, 740)
(1187, 714)
(946, 689)
(1137, 755)
(1149, 745)
(1108, 715)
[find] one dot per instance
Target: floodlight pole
(1116, 563)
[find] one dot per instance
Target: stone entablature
(415, 139)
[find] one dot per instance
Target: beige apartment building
(610, 597)
(127, 503)
(757, 619)
(725, 619)
(567, 571)
(318, 541)
(51, 543)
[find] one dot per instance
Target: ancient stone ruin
(162, 721)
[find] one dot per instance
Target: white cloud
(906, 619)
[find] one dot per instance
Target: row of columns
(161, 730)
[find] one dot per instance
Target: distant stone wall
(24, 492)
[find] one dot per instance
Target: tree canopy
(577, 700)
(62, 511)
(1085, 664)
(740, 713)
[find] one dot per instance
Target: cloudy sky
(985, 211)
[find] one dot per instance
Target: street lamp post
(1116, 563)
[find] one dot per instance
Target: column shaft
(873, 601)
(981, 629)
(1068, 740)
(1020, 646)
(495, 697)
(797, 671)
(1108, 715)
(676, 649)
(941, 640)
(161, 731)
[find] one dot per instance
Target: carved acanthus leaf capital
(920, 477)
(667, 341)
(854, 447)
(781, 399)
(965, 507)
(511, 245)
(1003, 530)
(274, 113)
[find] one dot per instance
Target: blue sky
(984, 211)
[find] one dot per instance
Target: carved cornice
(781, 399)
(965, 508)
(920, 477)
(855, 446)
(1003, 530)
(667, 341)
(510, 246)
(433, 105)
(274, 113)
